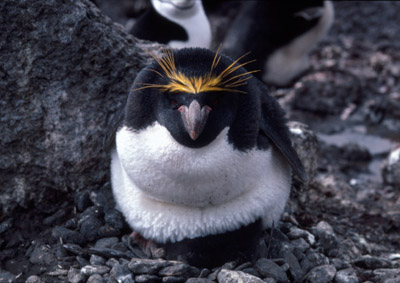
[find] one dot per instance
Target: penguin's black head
(194, 93)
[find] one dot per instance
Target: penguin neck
(197, 27)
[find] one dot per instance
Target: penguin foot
(148, 247)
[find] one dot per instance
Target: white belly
(170, 192)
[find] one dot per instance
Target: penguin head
(177, 9)
(194, 93)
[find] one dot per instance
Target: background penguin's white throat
(169, 192)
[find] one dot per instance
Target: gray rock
(82, 261)
(96, 278)
(391, 169)
(111, 262)
(66, 69)
(321, 274)
(82, 200)
(67, 236)
(33, 279)
(317, 259)
(106, 242)
(231, 276)
(204, 273)
(348, 275)
(199, 280)
(325, 235)
(339, 264)
(300, 247)
(114, 218)
(268, 268)
(306, 144)
(294, 268)
(173, 279)
(43, 255)
(147, 266)
(90, 227)
(384, 274)
(251, 271)
(269, 280)
(121, 272)
(369, 262)
(89, 270)
(74, 276)
(180, 270)
(97, 260)
(147, 278)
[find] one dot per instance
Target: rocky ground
(344, 226)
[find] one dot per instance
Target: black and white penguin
(279, 35)
(203, 158)
(178, 23)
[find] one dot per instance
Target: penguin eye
(173, 102)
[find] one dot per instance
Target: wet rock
(43, 255)
(74, 276)
(114, 218)
(5, 225)
(73, 248)
(300, 247)
(269, 280)
(384, 274)
(306, 144)
(50, 220)
(33, 279)
(294, 267)
(147, 266)
(96, 278)
(67, 236)
(321, 274)
(348, 275)
(108, 231)
(268, 268)
(251, 271)
(89, 270)
(339, 263)
(317, 259)
(230, 276)
(89, 228)
(82, 261)
(147, 278)
(325, 235)
(369, 262)
(391, 169)
(180, 270)
(6, 276)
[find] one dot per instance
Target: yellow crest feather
(179, 82)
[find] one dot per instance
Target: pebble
(321, 274)
(384, 274)
(74, 276)
(106, 242)
(67, 236)
(43, 255)
(348, 275)
(147, 278)
(369, 262)
(180, 270)
(317, 259)
(268, 268)
(147, 266)
(199, 280)
(325, 235)
(294, 269)
(89, 270)
(173, 279)
(82, 200)
(89, 228)
(96, 278)
(97, 260)
(114, 218)
(231, 276)
(34, 279)
(120, 272)
(339, 263)
(269, 280)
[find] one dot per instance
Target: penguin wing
(114, 125)
(273, 126)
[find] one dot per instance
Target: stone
(269, 280)
(74, 276)
(89, 228)
(231, 276)
(121, 272)
(306, 144)
(173, 279)
(147, 266)
(391, 169)
(43, 255)
(106, 242)
(384, 274)
(59, 144)
(89, 270)
(321, 274)
(325, 235)
(339, 263)
(147, 278)
(268, 268)
(370, 262)
(96, 278)
(114, 218)
(180, 270)
(294, 267)
(97, 260)
(317, 259)
(348, 275)
(67, 236)
(199, 280)
(82, 200)
(34, 279)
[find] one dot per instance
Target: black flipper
(273, 126)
